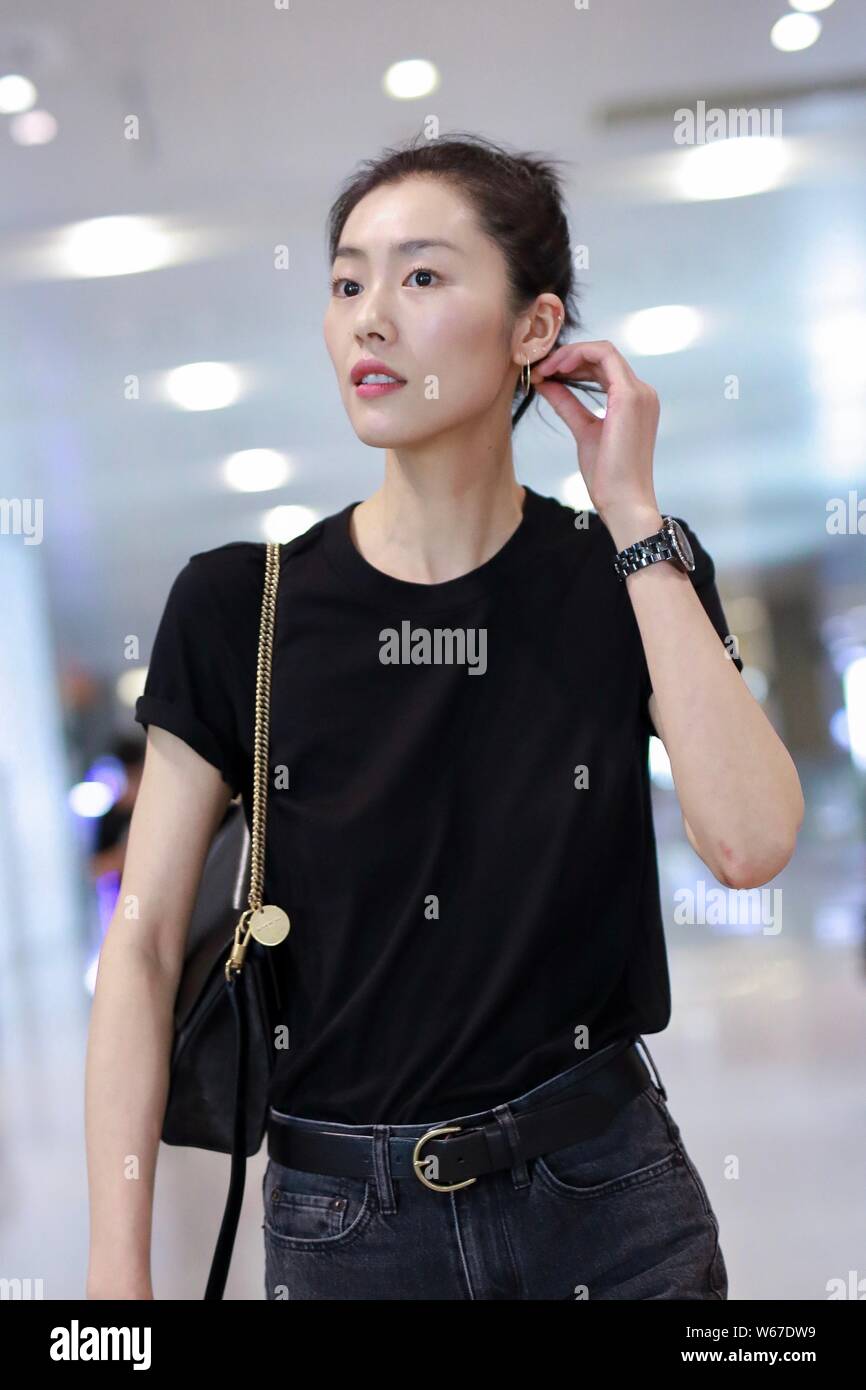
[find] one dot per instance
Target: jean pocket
(310, 1211)
(638, 1146)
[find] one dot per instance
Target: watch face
(681, 544)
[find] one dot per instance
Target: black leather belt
(462, 1155)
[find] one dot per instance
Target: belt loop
(382, 1168)
(505, 1119)
(653, 1068)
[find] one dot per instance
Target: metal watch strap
(661, 545)
(642, 553)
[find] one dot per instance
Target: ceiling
(250, 117)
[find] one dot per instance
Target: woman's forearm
(736, 782)
(126, 1087)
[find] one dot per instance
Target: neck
(430, 524)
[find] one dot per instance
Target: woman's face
(434, 315)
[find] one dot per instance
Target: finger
(607, 363)
(550, 362)
(539, 381)
(580, 421)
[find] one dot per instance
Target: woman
(459, 821)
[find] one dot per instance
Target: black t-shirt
(464, 900)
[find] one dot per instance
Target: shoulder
(238, 557)
(232, 574)
(214, 602)
(214, 586)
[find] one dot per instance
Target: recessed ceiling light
(664, 328)
(732, 168)
(284, 523)
(413, 77)
(17, 93)
(203, 385)
(256, 470)
(794, 32)
(111, 246)
(33, 128)
(809, 6)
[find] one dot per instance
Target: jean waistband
(558, 1085)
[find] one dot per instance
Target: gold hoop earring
(527, 384)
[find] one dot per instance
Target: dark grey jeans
(623, 1215)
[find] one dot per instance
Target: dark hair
(519, 204)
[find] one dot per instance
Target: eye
(422, 270)
(416, 270)
(340, 281)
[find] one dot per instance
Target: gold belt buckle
(416, 1162)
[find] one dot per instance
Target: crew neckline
(375, 584)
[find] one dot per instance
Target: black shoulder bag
(231, 992)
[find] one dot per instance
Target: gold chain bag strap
(234, 987)
(267, 924)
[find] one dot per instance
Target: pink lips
(378, 388)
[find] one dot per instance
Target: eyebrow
(405, 248)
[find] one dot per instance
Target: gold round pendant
(269, 925)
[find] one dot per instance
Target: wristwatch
(669, 543)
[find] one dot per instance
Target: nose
(373, 318)
(371, 323)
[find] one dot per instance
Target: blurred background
(166, 173)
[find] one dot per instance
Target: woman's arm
(180, 804)
(737, 785)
